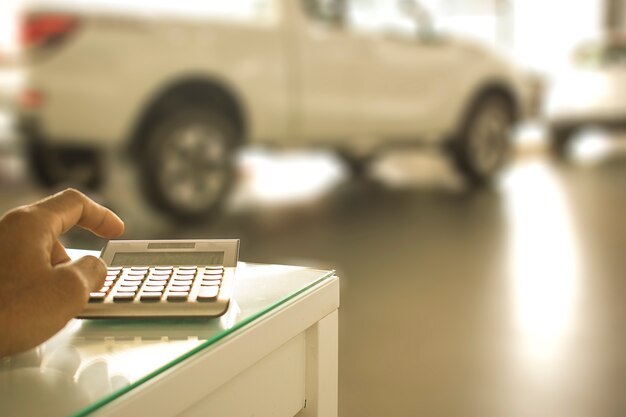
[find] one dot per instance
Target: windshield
(377, 16)
(380, 16)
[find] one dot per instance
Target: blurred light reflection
(594, 146)
(229, 319)
(287, 178)
(142, 354)
(545, 275)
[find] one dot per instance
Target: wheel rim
(489, 139)
(194, 166)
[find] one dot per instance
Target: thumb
(89, 270)
(48, 307)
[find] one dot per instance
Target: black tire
(357, 166)
(187, 163)
(560, 139)
(483, 146)
(55, 166)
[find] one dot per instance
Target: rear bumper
(11, 83)
(29, 130)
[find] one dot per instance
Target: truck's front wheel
(187, 163)
(483, 146)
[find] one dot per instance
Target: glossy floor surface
(500, 302)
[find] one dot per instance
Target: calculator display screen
(167, 258)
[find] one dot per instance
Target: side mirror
(422, 18)
(328, 11)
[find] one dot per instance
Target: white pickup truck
(183, 86)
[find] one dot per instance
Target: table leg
(321, 368)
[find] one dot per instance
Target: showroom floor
(500, 302)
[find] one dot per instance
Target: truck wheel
(560, 139)
(356, 166)
(54, 166)
(484, 145)
(187, 163)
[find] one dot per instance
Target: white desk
(273, 354)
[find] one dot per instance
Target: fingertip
(71, 207)
(93, 270)
(121, 226)
(111, 226)
(96, 263)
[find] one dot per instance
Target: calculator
(165, 278)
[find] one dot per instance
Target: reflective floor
(499, 302)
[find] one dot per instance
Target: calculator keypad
(171, 284)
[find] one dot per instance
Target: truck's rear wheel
(187, 163)
(54, 166)
(484, 145)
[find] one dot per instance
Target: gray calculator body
(165, 278)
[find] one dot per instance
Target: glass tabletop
(91, 362)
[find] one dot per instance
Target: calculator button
(133, 278)
(158, 277)
(177, 288)
(208, 293)
(113, 273)
(218, 273)
(114, 269)
(136, 273)
(128, 289)
(212, 278)
(163, 268)
(212, 281)
(177, 296)
(214, 267)
(207, 286)
(95, 297)
(155, 283)
(123, 297)
(179, 281)
(150, 296)
(186, 273)
(160, 273)
(139, 268)
(152, 288)
(188, 268)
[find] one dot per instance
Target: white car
(591, 93)
(183, 86)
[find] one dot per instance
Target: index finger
(71, 207)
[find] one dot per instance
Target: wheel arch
(194, 89)
(491, 88)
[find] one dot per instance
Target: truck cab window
(380, 16)
(331, 12)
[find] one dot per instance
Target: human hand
(41, 289)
